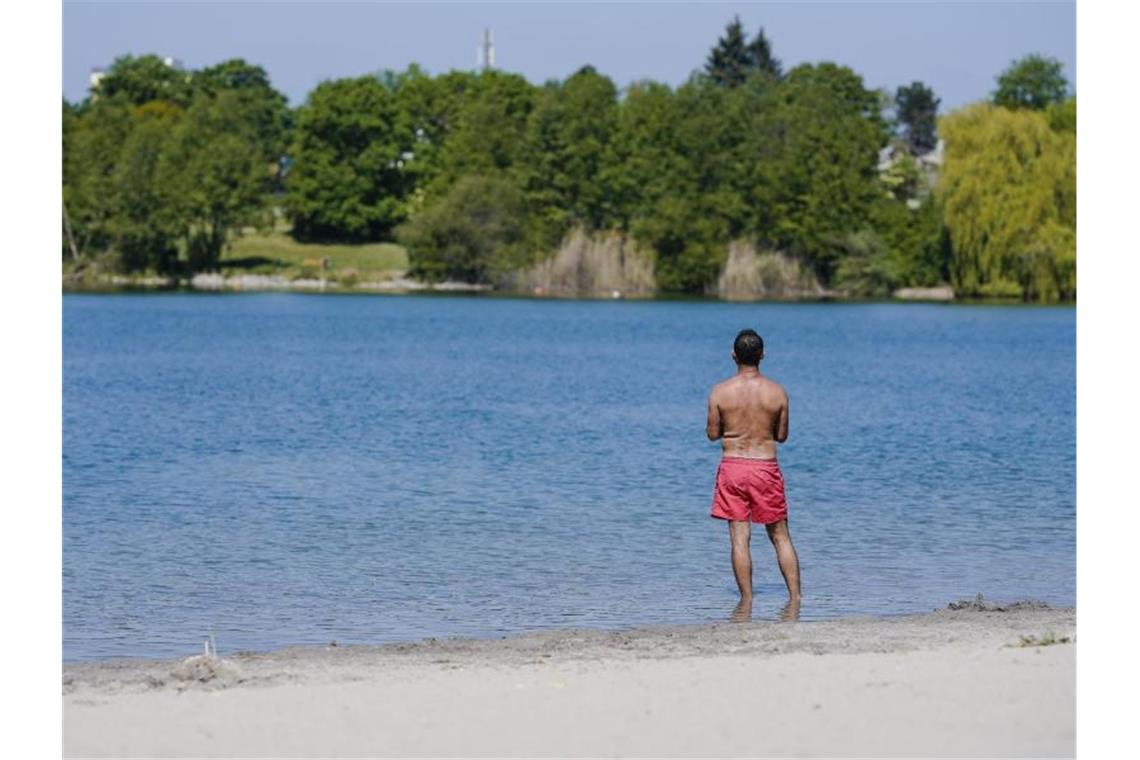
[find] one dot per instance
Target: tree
(643, 161)
(70, 121)
(215, 174)
(265, 108)
(474, 233)
(869, 266)
(143, 79)
(567, 140)
(113, 195)
(489, 133)
(917, 111)
(916, 239)
(709, 193)
(816, 141)
(730, 60)
(1063, 116)
(348, 180)
(92, 144)
(1008, 190)
(431, 106)
(1033, 82)
(761, 58)
(143, 224)
(157, 186)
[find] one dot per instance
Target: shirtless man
(748, 413)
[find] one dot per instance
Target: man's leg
(740, 533)
(786, 556)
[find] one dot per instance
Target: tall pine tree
(760, 51)
(730, 61)
(917, 110)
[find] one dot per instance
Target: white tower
(485, 57)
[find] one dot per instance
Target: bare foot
(790, 612)
(742, 613)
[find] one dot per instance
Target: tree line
(481, 174)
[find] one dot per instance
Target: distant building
(929, 165)
(931, 160)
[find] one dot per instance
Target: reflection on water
(290, 469)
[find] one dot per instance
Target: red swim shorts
(749, 489)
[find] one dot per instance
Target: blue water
(291, 469)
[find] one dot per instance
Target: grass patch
(276, 252)
(1048, 639)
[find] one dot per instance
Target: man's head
(748, 348)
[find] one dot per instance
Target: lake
(278, 469)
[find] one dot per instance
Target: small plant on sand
(1048, 639)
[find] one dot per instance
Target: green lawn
(278, 253)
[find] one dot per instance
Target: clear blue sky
(955, 47)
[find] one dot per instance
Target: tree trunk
(70, 234)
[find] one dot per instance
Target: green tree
(1063, 116)
(1034, 82)
(93, 141)
(1008, 190)
(730, 61)
(816, 142)
(144, 225)
(263, 106)
(761, 58)
(869, 267)
(690, 246)
(113, 196)
(70, 125)
(215, 174)
(917, 112)
(644, 161)
(567, 142)
(431, 106)
(474, 233)
(916, 238)
(489, 133)
(710, 192)
(348, 180)
(143, 79)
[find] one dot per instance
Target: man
(748, 413)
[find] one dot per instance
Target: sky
(957, 48)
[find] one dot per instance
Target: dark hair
(748, 347)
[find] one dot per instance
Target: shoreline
(403, 288)
(972, 679)
(397, 282)
(588, 632)
(669, 640)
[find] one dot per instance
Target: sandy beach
(977, 681)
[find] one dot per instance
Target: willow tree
(1008, 190)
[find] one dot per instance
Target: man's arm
(782, 424)
(714, 426)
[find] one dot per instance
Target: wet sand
(976, 681)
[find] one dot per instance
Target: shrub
(474, 233)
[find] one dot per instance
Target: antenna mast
(488, 50)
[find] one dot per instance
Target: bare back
(749, 414)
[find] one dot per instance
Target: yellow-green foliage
(1008, 187)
